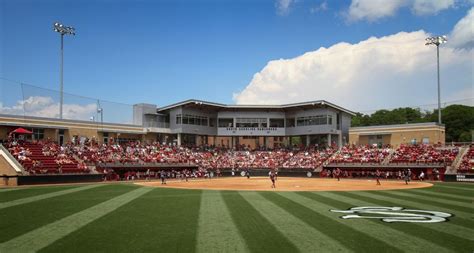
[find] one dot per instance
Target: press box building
(201, 122)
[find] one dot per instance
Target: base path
(288, 184)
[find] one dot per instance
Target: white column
(339, 139)
(179, 139)
(329, 139)
(307, 140)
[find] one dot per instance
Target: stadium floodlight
(63, 30)
(101, 111)
(437, 41)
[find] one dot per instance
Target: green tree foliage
(459, 119)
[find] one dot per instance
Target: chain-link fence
(27, 100)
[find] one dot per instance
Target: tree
(458, 119)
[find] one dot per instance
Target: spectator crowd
(210, 158)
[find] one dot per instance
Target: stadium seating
(360, 154)
(425, 154)
(45, 158)
(467, 162)
(48, 157)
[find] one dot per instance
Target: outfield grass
(130, 218)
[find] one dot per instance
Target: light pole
(101, 111)
(437, 40)
(63, 30)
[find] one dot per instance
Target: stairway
(458, 160)
(387, 159)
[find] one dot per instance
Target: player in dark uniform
(377, 176)
(337, 174)
(247, 173)
(407, 176)
(163, 177)
(272, 178)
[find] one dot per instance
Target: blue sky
(162, 52)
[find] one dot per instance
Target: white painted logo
(394, 214)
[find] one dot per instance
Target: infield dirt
(287, 184)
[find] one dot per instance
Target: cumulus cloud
(372, 10)
(283, 6)
(428, 7)
(319, 8)
(41, 106)
(462, 35)
(383, 72)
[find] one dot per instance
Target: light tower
(62, 30)
(437, 40)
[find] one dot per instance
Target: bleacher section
(467, 163)
(49, 158)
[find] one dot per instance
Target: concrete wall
(399, 135)
(6, 168)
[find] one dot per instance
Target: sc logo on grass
(394, 214)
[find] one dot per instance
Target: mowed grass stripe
(453, 226)
(417, 201)
(455, 192)
(409, 235)
(46, 196)
(455, 205)
(153, 222)
(6, 196)
(10, 189)
(448, 196)
(468, 189)
(216, 231)
(43, 236)
(304, 236)
(316, 214)
(17, 220)
(259, 234)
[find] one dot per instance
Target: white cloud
(372, 10)
(283, 6)
(40, 106)
(462, 35)
(383, 72)
(321, 7)
(427, 7)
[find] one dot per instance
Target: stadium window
(314, 120)
(290, 122)
(277, 122)
(225, 122)
(38, 133)
(178, 119)
(212, 122)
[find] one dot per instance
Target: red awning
(21, 131)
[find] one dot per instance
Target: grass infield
(131, 218)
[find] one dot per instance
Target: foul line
(46, 196)
(46, 235)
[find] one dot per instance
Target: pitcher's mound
(288, 184)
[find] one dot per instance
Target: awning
(21, 131)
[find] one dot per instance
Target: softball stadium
(286, 167)
(198, 176)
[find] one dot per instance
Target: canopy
(21, 131)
